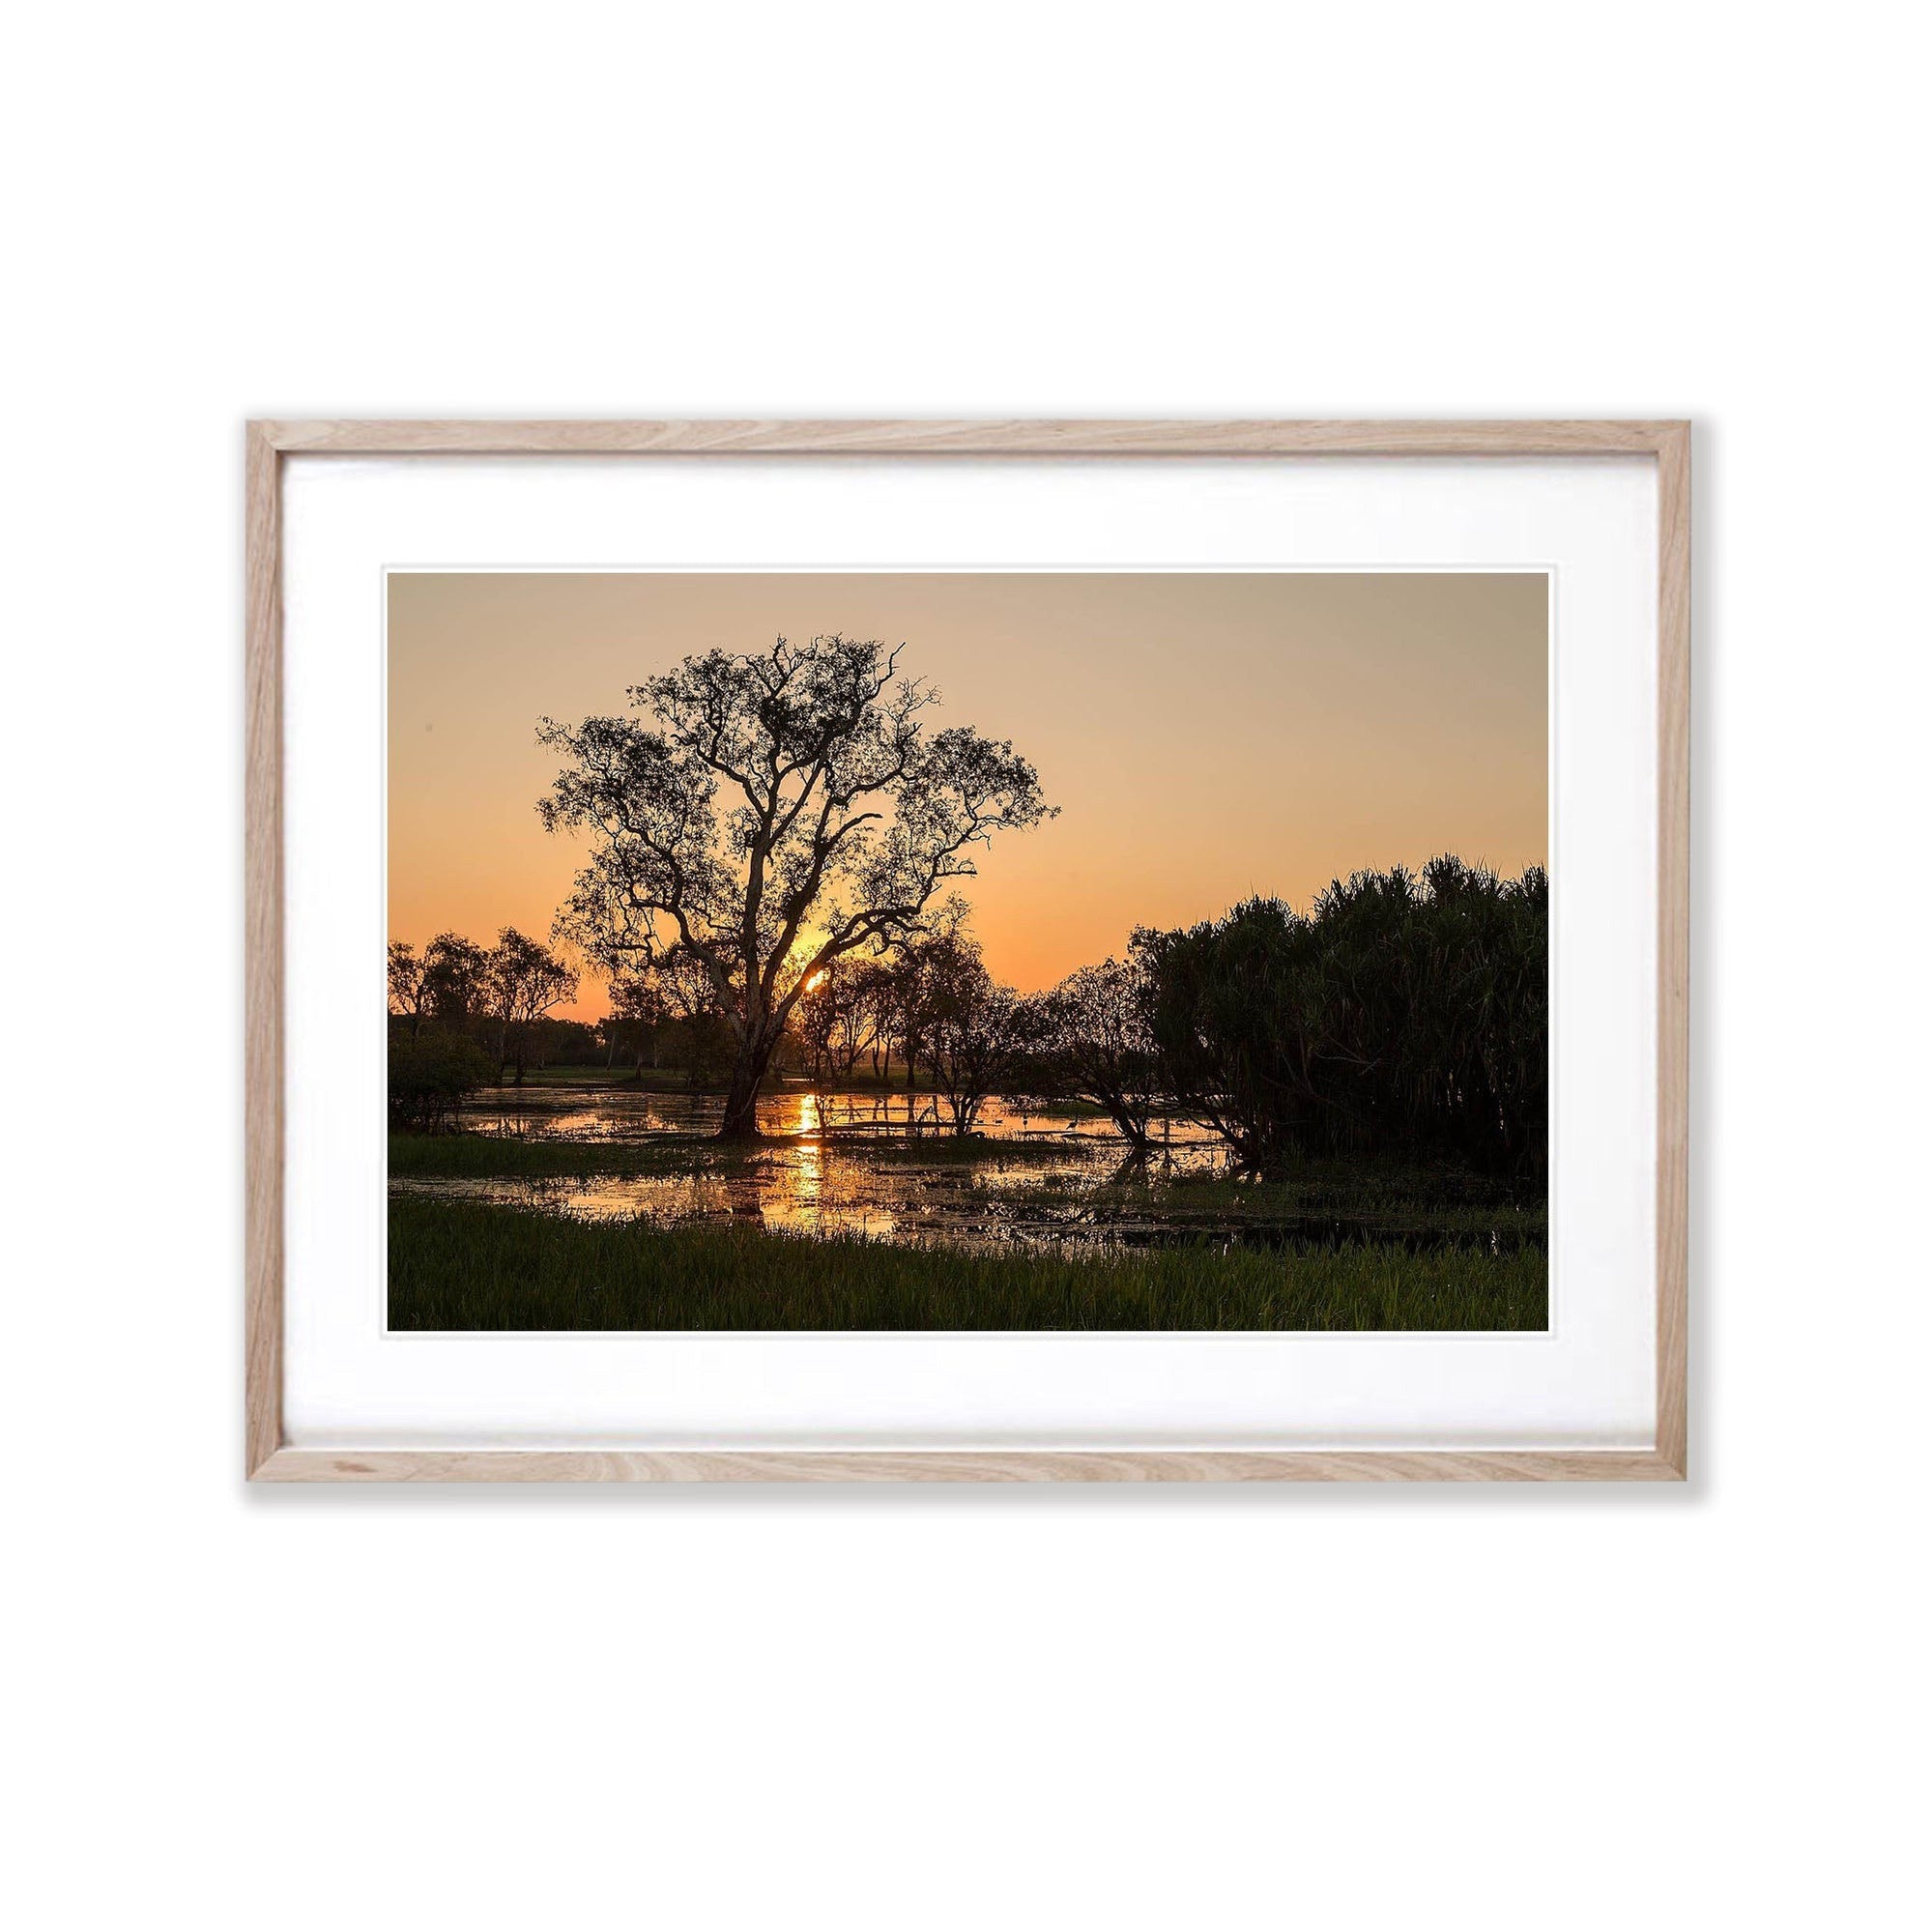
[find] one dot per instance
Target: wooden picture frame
(268, 1458)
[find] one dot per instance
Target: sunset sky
(1206, 735)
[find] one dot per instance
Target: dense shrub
(1399, 1013)
(431, 1075)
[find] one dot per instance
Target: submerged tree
(975, 1029)
(901, 997)
(817, 1020)
(1098, 1043)
(904, 986)
(782, 811)
(836, 1016)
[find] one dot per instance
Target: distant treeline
(1402, 1014)
(464, 1016)
(461, 1014)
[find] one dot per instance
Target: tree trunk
(741, 1122)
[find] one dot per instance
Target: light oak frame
(270, 1459)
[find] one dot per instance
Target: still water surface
(1033, 1181)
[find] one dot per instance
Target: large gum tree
(770, 815)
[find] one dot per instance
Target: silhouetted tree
(1399, 1012)
(837, 1015)
(782, 811)
(453, 969)
(638, 1012)
(873, 1000)
(406, 985)
(523, 979)
(975, 1029)
(903, 994)
(817, 1020)
(1098, 1043)
(691, 1001)
(445, 985)
(904, 986)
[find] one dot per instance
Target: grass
(1398, 1202)
(465, 1265)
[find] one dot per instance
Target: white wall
(1338, 1709)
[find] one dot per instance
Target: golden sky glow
(1206, 736)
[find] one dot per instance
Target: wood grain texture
(1673, 947)
(269, 1459)
(263, 991)
(1074, 437)
(964, 1465)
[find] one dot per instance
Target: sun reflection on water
(817, 1173)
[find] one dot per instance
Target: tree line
(1402, 1013)
(462, 1014)
(772, 854)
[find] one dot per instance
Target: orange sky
(1206, 735)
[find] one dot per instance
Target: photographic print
(1160, 950)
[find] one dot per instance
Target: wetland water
(881, 1166)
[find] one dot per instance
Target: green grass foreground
(469, 1265)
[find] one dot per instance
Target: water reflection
(536, 1113)
(881, 1165)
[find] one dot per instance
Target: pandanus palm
(1399, 1013)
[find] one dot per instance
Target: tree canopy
(771, 814)
(1401, 1013)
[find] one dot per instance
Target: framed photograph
(1028, 951)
